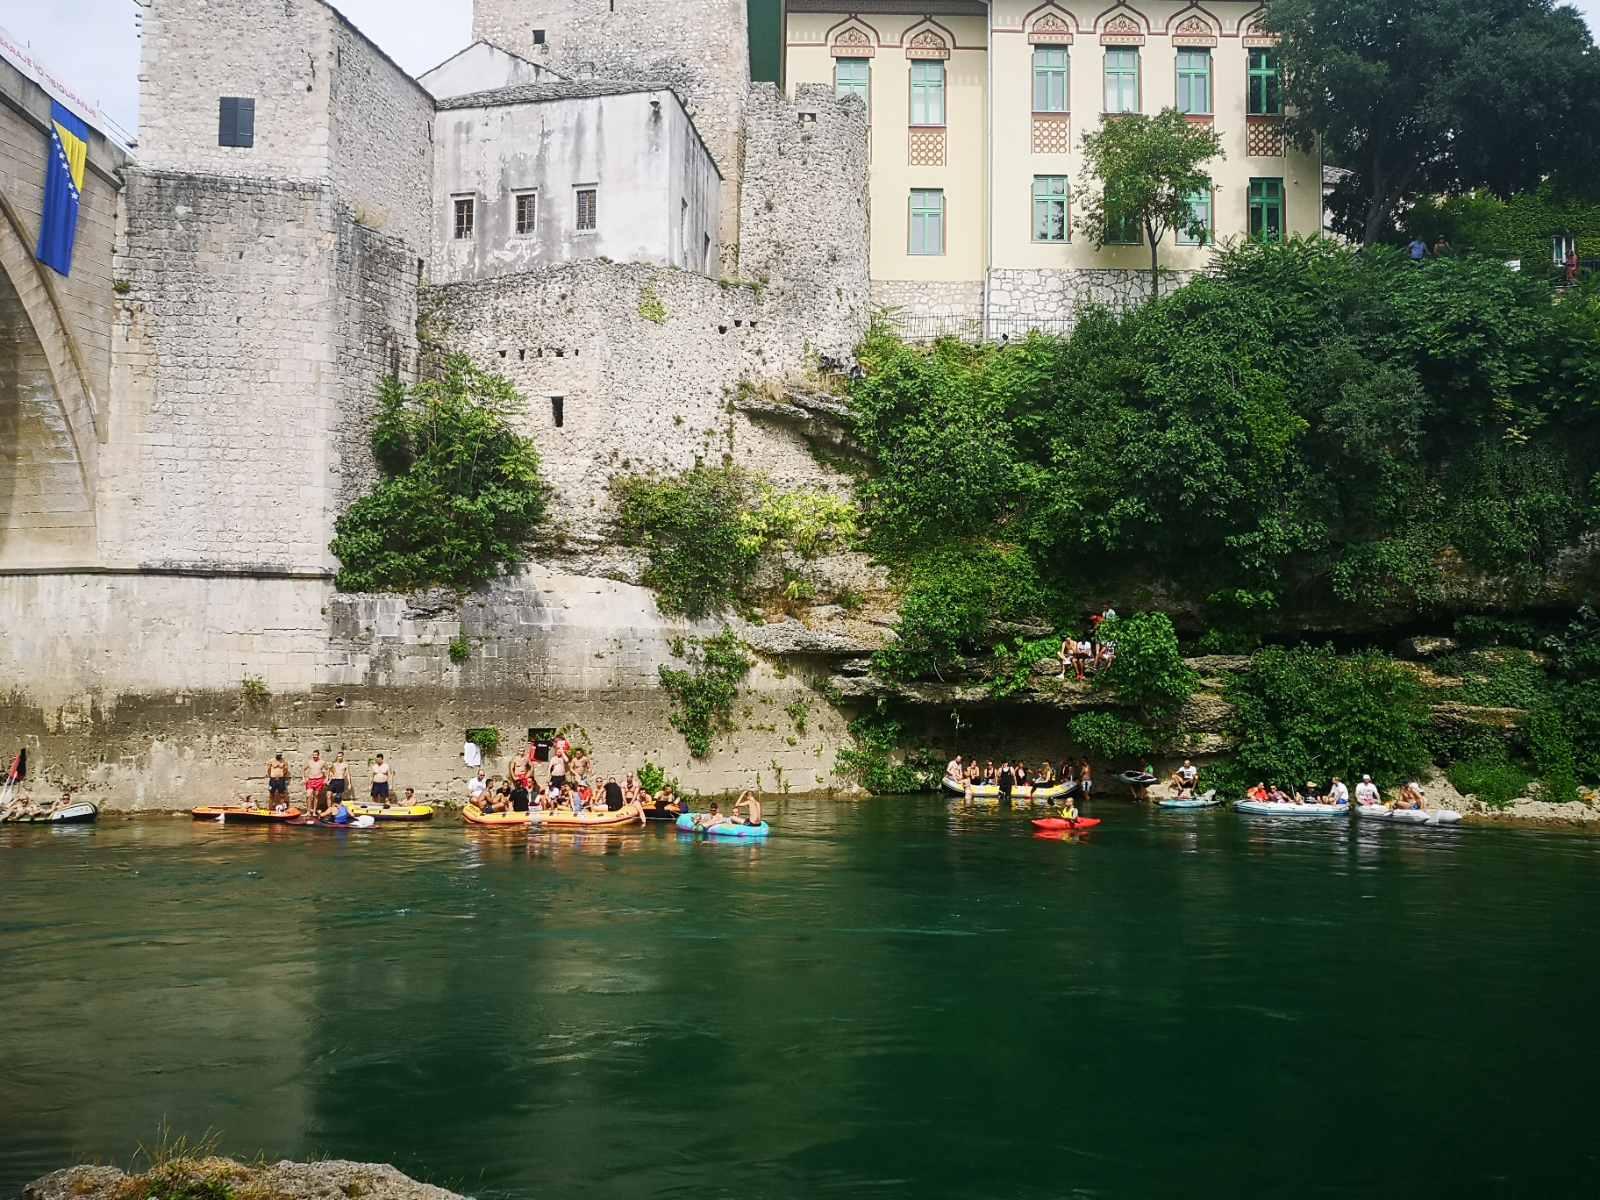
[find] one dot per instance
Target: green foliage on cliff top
(707, 529)
(460, 493)
(1309, 423)
(1312, 713)
(1148, 672)
(704, 694)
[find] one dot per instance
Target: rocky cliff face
(222, 1177)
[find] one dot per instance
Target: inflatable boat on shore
(1408, 816)
(390, 812)
(541, 821)
(80, 812)
(242, 815)
(1205, 800)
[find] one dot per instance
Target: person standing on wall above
(559, 753)
(1572, 266)
(382, 776)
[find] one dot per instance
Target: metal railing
(921, 328)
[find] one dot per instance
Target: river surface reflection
(888, 998)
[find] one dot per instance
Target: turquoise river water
(887, 999)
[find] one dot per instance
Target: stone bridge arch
(50, 417)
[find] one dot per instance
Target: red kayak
(1062, 825)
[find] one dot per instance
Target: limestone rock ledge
(330, 1180)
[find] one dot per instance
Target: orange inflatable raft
(628, 815)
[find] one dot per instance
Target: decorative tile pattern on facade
(927, 148)
(927, 44)
(1050, 30)
(1122, 30)
(1052, 133)
(1194, 31)
(1256, 37)
(853, 42)
(1264, 137)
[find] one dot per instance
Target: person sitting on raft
(1186, 774)
(614, 795)
(1259, 794)
(709, 819)
(1411, 798)
(954, 771)
(1067, 810)
(751, 807)
(1278, 796)
(1338, 793)
(1367, 793)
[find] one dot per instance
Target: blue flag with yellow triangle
(63, 186)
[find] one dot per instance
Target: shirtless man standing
(316, 780)
(278, 782)
(381, 772)
(338, 778)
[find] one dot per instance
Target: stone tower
(700, 47)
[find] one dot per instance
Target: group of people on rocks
(1017, 778)
(1092, 653)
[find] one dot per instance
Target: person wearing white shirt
(1338, 793)
(1367, 791)
(476, 787)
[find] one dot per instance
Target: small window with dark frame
(464, 218)
(538, 37)
(236, 122)
(588, 209)
(558, 407)
(527, 213)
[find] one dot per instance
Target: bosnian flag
(63, 185)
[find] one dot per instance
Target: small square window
(588, 210)
(527, 213)
(538, 37)
(236, 122)
(464, 217)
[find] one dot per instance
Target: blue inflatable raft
(735, 829)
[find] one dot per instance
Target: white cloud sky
(91, 45)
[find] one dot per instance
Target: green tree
(1426, 96)
(1142, 170)
(460, 495)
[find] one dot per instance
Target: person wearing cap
(1367, 792)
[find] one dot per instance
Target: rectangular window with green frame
(1050, 214)
(1050, 91)
(1194, 82)
(1122, 81)
(1266, 210)
(1123, 228)
(927, 91)
(1200, 213)
(927, 221)
(853, 77)
(1266, 93)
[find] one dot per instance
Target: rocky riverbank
(211, 1178)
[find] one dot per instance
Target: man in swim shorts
(278, 781)
(338, 777)
(381, 773)
(751, 807)
(316, 779)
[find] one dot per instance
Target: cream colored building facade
(978, 112)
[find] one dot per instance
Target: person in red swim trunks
(316, 778)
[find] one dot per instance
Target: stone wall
(636, 395)
(937, 300)
(136, 684)
(382, 140)
(1053, 298)
(803, 230)
(194, 52)
(701, 47)
(257, 322)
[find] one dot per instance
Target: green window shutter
(1050, 80)
(927, 221)
(1266, 98)
(1050, 209)
(1266, 210)
(1194, 81)
(853, 77)
(1200, 210)
(927, 92)
(1122, 81)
